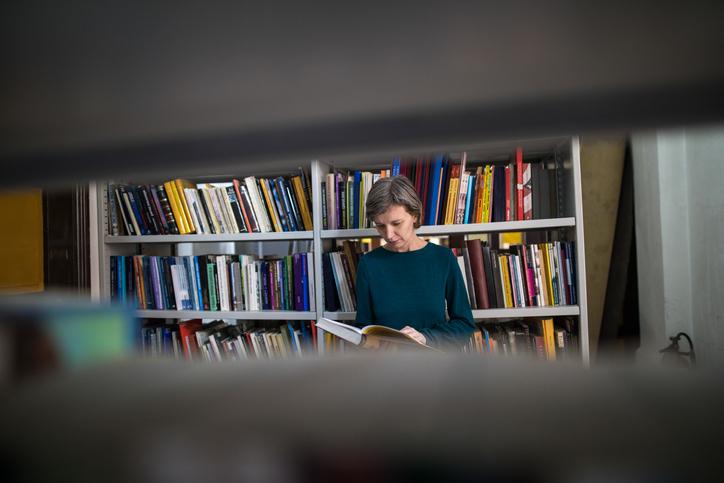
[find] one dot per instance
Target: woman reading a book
(407, 283)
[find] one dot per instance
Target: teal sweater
(412, 288)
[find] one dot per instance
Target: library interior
(235, 233)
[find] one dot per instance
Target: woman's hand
(407, 330)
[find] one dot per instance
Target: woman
(407, 283)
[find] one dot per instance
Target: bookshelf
(318, 240)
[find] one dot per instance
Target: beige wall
(601, 170)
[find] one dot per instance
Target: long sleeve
(364, 296)
(459, 327)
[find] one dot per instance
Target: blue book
(121, 278)
(396, 167)
(468, 200)
(199, 293)
(136, 210)
(306, 336)
(286, 204)
(271, 186)
(356, 199)
(290, 328)
(433, 191)
(305, 282)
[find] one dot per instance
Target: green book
(210, 272)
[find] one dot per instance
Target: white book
(461, 264)
(332, 221)
(226, 205)
(254, 336)
(215, 347)
(131, 214)
(298, 341)
(223, 276)
(462, 197)
(193, 209)
(241, 348)
(199, 210)
(177, 287)
(190, 269)
(213, 216)
(120, 202)
(258, 205)
(341, 280)
(216, 197)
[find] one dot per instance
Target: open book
(371, 336)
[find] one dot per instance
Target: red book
(480, 284)
(519, 183)
(187, 330)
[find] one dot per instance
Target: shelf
(234, 237)
(556, 311)
(497, 227)
(215, 314)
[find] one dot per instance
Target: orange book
(549, 340)
(178, 213)
(180, 185)
(505, 278)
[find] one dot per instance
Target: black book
(136, 209)
(498, 282)
(331, 300)
(285, 203)
(324, 205)
(158, 209)
(295, 214)
(499, 193)
(151, 210)
(489, 278)
(145, 209)
(246, 205)
(236, 209)
(204, 281)
(123, 209)
(168, 283)
(167, 212)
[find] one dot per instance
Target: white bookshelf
(125, 245)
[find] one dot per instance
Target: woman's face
(397, 227)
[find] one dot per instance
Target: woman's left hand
(407, 330)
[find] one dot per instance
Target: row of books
(218, 340)
(181, 207)
(546, 339)
(214, 282)
(534, 275)
(450, 192)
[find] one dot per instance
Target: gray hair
(395, 190)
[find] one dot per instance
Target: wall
(21, 241)
(601, 170)
(680, 232)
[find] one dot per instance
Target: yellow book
(270, 205)
(479, 196)
(178, 214)
(180, 185)
(548, 272)
(451, 204)
(302, 202)
(505, 276)
(486, 195)
(549, 340)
